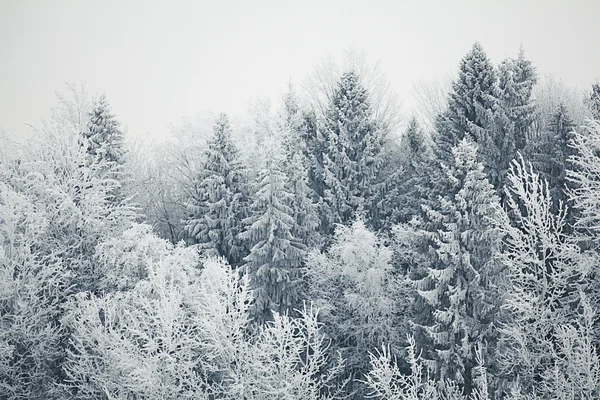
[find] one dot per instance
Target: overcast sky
(160, 61)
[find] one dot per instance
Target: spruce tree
(276, 254)
(471, 107)
(303, 208)
(550, 154)
(353, 153)
(416, 170)
(594, 101)
(105, 147)
(314, 148)
(292, 125)
(515, 114)
(220, 201)
(460, 281)
(406, 181)
(105, 140)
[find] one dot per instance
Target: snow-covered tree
(584, 177)
(220, 201)
(546, 272)
(353, 154)
(594, 101)
(54, 192)
(387, 381)
(516, 113)
(183, 334)
(303, 209)
(361, 301)
(460, 282)
(31, 285)
(550, 153)
(406, 187)
(105, 140)
(471, 105)
(275, 253)
(292, 128)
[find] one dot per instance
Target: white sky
(160, 61)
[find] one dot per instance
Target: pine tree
(471, 105)
(515, 114)
(220, 203)
(105, 140)
(460, 282)
(275, 254)
(353, 154)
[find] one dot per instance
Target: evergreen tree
(292, 123)
(276, 254)
(550, 154)
(471, 107)
(405, 186)
(304, 210)
(460, 283)
(220, 203)
(594, 101)
(416, 162)
(105, 140)
(353, 154)
(515, 114)
(314, 147)
(292, 128)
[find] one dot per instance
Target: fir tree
(471, 106)
(460, 283)
(353, 153)
(292, 128)
(220, 203)
(105, 140)
(594, 101)
(315, 147)
(515, 114)
(276, 254)
(304, 210)
(550, 154)
(417, 159)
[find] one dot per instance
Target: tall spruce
(353, 155)
(460, 282)
(315, 147)
(292, 126)
(221, 199)
(276, 254)
(417, 159)
(471, 107)
(515, 114)
(550, 154)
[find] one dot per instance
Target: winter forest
(319, 250)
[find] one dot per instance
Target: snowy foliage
(183, 334)
(313, 252)
(220, 200)
(362, 302)
(275, 253)
(546, 274)
(353, 155)
(460, 281)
